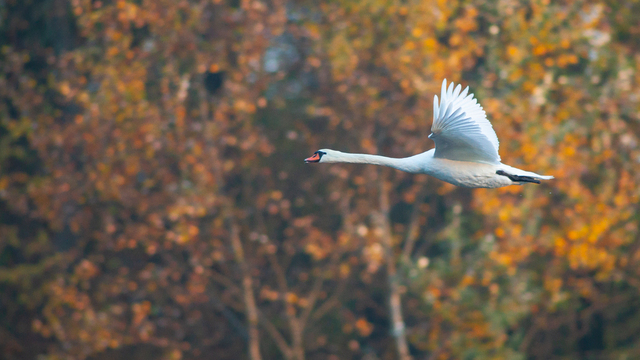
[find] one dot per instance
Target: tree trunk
(297, 337)
(395, 301)
(247, 290)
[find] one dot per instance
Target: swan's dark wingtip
(518, 178)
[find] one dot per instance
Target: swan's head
(322, 155)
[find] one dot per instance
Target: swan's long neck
(410, 164)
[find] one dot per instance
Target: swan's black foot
(518, 178)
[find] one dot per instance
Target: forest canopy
(154, 203)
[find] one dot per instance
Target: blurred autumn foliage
(154, 202)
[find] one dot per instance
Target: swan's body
(466, 152)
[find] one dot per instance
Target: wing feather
(460, 127)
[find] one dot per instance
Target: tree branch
(290, 311)
(412, 231)
(230, 316)
(330, 303)
(276, 336)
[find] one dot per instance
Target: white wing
(460, 127)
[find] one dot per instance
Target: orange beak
(313, 158)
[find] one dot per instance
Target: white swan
(466, 152)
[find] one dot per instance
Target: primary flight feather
(466, 152)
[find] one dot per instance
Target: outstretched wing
(460, 127)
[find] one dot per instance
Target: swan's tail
(545, 177)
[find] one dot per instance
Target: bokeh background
(154, 203)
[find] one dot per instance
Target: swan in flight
(466, 152)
